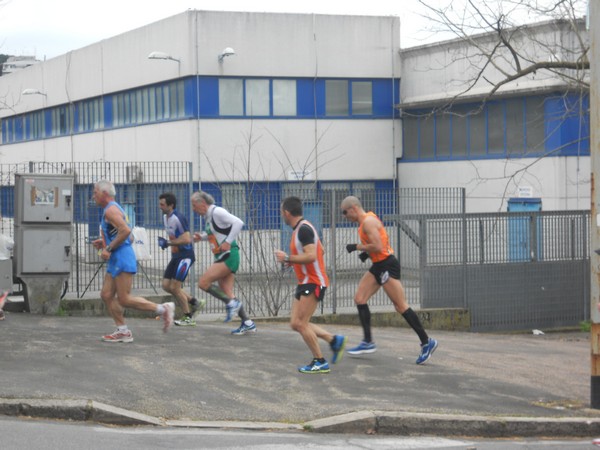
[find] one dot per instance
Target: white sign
(524, 192)
(298, 175)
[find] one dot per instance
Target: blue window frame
(553, 125)
(193, 97)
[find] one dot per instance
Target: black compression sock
(413, 320)
(364, 314)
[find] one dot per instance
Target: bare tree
(502, 49)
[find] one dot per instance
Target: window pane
(495, 123)
(477, 133)
(145, 105)
(257, 97)
(160, 113)
(152, 103)
(410, 128)
(426, 132)
(534, 123)
(166, 102)
(442, 135)
(180, 99)
(230, 97)
(514, 127)
(459, 130)
(362, 97)
(284, 97)
(139, 107)
(336, 98)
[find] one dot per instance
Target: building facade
(329, 101)
(528, 142)
(302, 98)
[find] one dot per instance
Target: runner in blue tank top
(114, 247)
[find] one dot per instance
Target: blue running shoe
(243, 329)
(232, 309)
(362, 348)
(337, 345)
(315, 367)
(427, 350)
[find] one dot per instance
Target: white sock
(248, 322)
(122, 328)
(160, 309)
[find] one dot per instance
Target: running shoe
(185, 321)
(362, 348)
(337, 345)
(427, 350)
(243, 329)
(167, 315)
(232, 309)
(196, 306)
(315, 367)
(118, 336)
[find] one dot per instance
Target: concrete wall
(561, 183)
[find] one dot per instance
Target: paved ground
(191, 376)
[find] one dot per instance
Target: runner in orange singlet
(306, 257)
(384, 272)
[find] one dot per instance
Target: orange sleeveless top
(313, 273)
(386, 249)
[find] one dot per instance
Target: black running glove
(351, 248)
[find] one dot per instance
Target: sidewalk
(474, 385)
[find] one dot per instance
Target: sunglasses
(344, 211)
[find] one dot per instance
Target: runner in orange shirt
(384, 272)
(306, 257)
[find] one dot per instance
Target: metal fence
(511, 270)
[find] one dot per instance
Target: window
(91, 115)
(62, 120)
(362, 98)
(284, 97)
(442, 135)
(460, 131)
(477, 132)
(495, 128)
(231, 97)
(534, 122)
(336, 98)
(427, 133)
(555, 125)
(410, 147)
(515, 140)
(257, 98)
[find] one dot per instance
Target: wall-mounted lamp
(228, 51)
(162, 55)
(32, 92)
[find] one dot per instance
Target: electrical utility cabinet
(42, 251)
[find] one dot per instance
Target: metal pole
(594, 57)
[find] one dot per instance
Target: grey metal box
(43, 249)
(6, 278)
(41, 198)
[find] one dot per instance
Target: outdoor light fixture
(162, 55)
(32, 92)
(227, 51)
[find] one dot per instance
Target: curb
(361, 422)
(406, 423)
(76, 410)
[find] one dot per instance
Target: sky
(48, 28)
